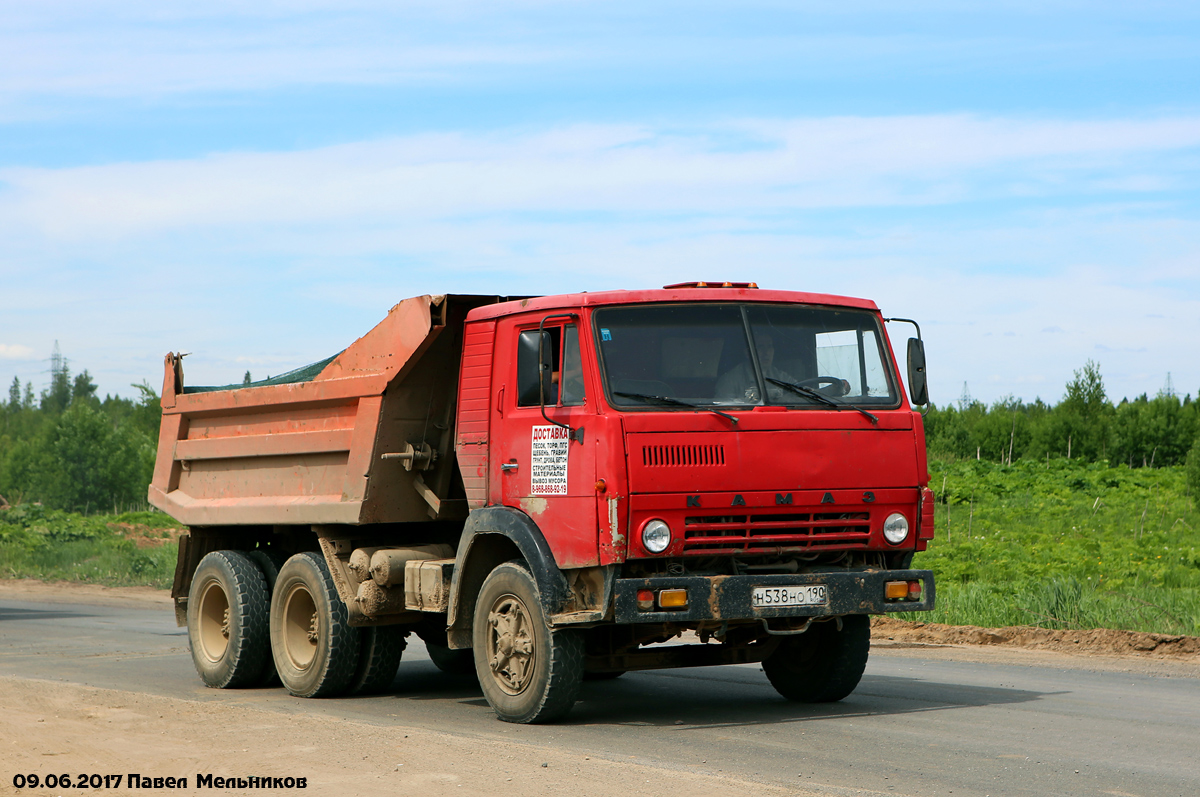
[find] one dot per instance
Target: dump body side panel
(309, 452)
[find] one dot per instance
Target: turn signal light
(673, 599)
(902, 590)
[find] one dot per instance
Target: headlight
(656, 536)
(895, 528)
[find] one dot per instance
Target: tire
(378, 658)
(529, 674)
(451, 662)
(227, 620)
(315, 650)
(269, 562)
(824, 664)
(603, 676)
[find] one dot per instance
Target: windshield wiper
(674, 402)
(816, 395)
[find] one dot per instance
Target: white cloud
(776, 166)
(15, 351)
(152, 50)
(132, 48)
(273, 260)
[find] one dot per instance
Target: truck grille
(775, 533)
(682, 456)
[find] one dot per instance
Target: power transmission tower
(964, 400)
(58, 364)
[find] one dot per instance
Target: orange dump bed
(310, 452)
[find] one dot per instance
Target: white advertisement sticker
(548, 460)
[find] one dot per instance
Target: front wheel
(528, 672)
(824, 664)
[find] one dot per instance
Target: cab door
(543, 460)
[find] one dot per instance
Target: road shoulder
(58, 728)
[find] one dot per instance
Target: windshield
(737, 355)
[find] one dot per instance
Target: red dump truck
(556, 488)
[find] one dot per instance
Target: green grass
(1054, 544)
(53, 545)
(1064, 544)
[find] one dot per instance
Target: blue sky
(258, 186)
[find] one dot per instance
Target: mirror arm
(922, 343)
(907, 321)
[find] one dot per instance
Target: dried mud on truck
(548, 489)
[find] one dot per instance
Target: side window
(528, 369)
(561, 367)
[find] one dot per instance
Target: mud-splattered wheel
(270, 563)
(510, 652)
(227, 620)
(382, 647)
(528, 672)
(452, 662)
(316, 651)
(825, 663)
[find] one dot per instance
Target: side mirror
(918, 386)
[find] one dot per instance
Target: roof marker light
(748, 285)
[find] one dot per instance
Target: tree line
(69, 449)
(1085, 425)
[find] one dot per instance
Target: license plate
(807, 595)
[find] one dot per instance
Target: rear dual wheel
(227, 620)
(269, 562)
(240, 637)
(316, 651)
(452, 662)
(378, 657)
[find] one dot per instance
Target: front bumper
(728, 597)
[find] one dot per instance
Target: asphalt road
(923, 721)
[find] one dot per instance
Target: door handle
(508, 466)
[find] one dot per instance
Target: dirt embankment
(146, 536)
(1101, 641)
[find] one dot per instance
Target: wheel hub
(301, 628)
(510, 648)
(213, 636)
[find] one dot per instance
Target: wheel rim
(214, 622)
(510, 649)
(301, 627)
